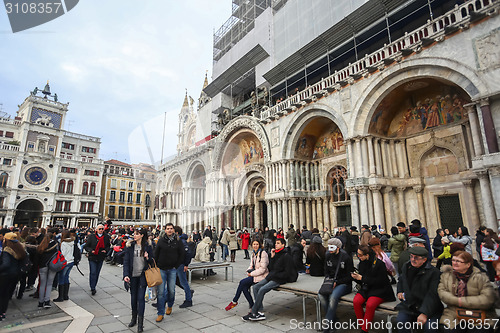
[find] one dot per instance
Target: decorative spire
(186, 103)
(205, 83)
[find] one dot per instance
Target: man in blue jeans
(281, 270)
(182, 269)
(97, 247)
(169, 255)
(338, 266)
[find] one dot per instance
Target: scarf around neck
(462, 282)
(100, 243)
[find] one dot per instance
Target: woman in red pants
(375, 286)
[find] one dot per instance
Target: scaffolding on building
(241, 22)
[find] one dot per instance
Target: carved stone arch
(234, 125)
(429, 147)
(392, 77)
(31, 199)
(300, 121)
(246, 185)
(191, 126)
(192, 166)
(170, 180)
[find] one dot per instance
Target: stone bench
(197, 266)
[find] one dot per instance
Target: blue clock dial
(35, 176)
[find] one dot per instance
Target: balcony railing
(432, 31)
(6, 146)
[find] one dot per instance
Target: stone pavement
(109, 310)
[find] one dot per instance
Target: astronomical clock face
(35, 176)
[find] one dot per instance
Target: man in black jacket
(417, 291)
(97, 247)
(169, 255)
(281, 271)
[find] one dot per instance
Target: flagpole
(163, 139)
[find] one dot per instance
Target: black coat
(297, 253)
(169, 253)
(437, 246)
(348, 241)
(345, 269)
(280, 267)
(128, 261)
(375, 281)
(42, 259)
(422, 296)
(91, 245)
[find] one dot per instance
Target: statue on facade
(34, 92)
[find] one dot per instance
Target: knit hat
(335, 241)
(317, 239)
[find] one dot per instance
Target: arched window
(336, 183)
(85, 188)
(4, 177)
(62, 185)
(69, 189)
(92, 189)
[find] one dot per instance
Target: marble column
(378, 205)
(359, 161)
(353, 193)
(307, 208)
(280, 213)
(378, 158)
(318, 182)
(295, 213)
(302, 214)
(319, 213)
(399, 158)
(326, 214)
(472, 205)
(292, 176)
(298, 183)
(371, 214)
(314, 216)
(363, 205)
(401, 203)
(487, 199)
(371, 157)
(392, 157)
(385, 159)
(274, 205)
(350, 158)
(364, 156)
(286, 220)
(312, 168)
(308, 180)
(388, 205)
(489, 127)
(474, 127)
(419, 190)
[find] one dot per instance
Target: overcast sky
(120, 63)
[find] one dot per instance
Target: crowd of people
(437, 284)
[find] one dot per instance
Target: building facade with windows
(127, 193)
(346, 112)
(48, 176)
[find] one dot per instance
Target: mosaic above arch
(320, 138)
(242, 151)
(417, 106)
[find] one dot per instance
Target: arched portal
(29, 213)
(196, 192)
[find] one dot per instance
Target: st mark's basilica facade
(386, 112)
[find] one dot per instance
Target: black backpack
(25, 265)
(77, 254)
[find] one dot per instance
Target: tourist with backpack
(12, 255)
(67, 250)
(47, 248)
(255, 273)
(182, 269)
(281, 271)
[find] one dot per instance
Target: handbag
(489, 254)
(477, 316)
(153, 275)
(327, 286)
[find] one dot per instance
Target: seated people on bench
(256, 272)
(315, 257)
(375, 286)
(203, 253)
(465, 286)
(417, 291)
(281, 271)
(338, 266)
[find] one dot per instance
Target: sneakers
(159, 318)
(186, 304)
(231, 305)
(250, 316)
(47, 305)
(40, 304)
(169, 311)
